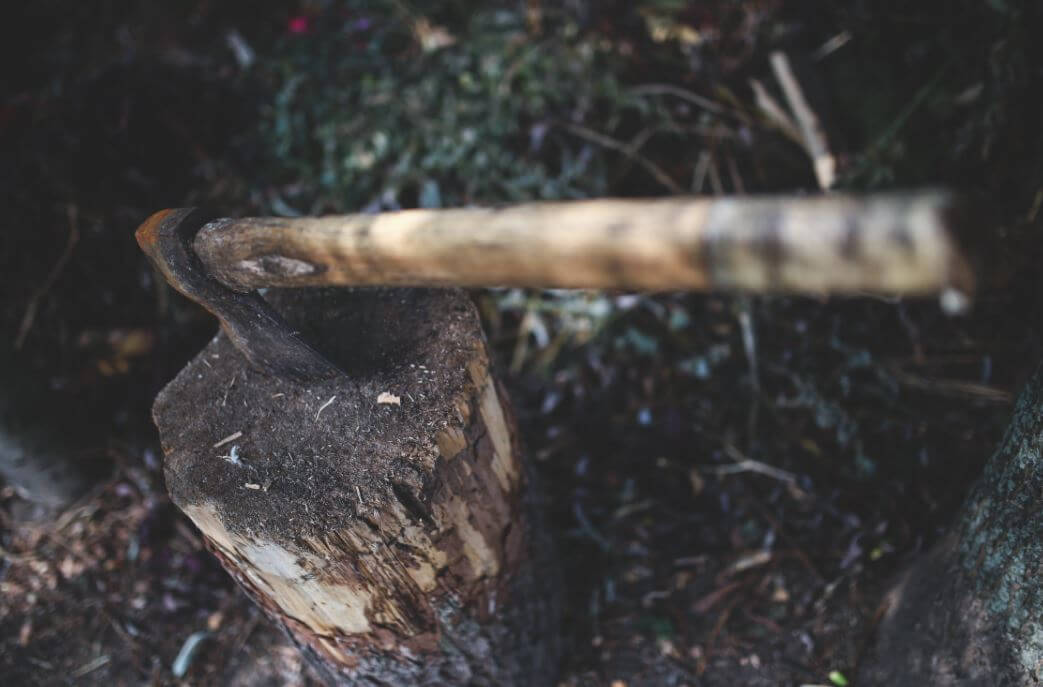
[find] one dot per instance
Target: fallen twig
(775, 112)
(230, 437)
(810, 126)
(326, 405)
(612, 144)
(952, 387)
(90, 666)
(745, 464)
(684, 94)
(52, 276)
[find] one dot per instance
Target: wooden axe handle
(894, 243)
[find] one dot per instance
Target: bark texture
(383, 518)
(971, 612)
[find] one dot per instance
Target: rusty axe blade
(252, 325)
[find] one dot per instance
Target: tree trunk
(385, 518)
(971, 612)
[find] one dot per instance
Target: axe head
(252, 325)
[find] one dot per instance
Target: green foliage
(379, 108)
(837, 678)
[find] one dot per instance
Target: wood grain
(396, 544)
(896, 243)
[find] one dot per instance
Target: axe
(889, 243)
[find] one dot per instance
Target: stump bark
(386, 518)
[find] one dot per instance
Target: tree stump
(383, 518)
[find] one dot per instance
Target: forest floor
(733, 480)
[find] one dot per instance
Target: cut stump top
(285, 460)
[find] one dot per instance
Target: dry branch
(810, 127)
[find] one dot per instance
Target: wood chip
(90, 666)
(251, 485)
(230, 437)
(752, 560)
(389, 399)
(184, 657)
(697, 481)
(324, 406)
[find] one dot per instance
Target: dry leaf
(697, 481)
(432, 37)
(70, 567)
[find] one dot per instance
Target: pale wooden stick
(810, 127)
(835, 243)
(778, 116)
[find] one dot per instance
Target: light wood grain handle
(896, 243)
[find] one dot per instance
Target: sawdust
(316, 447)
